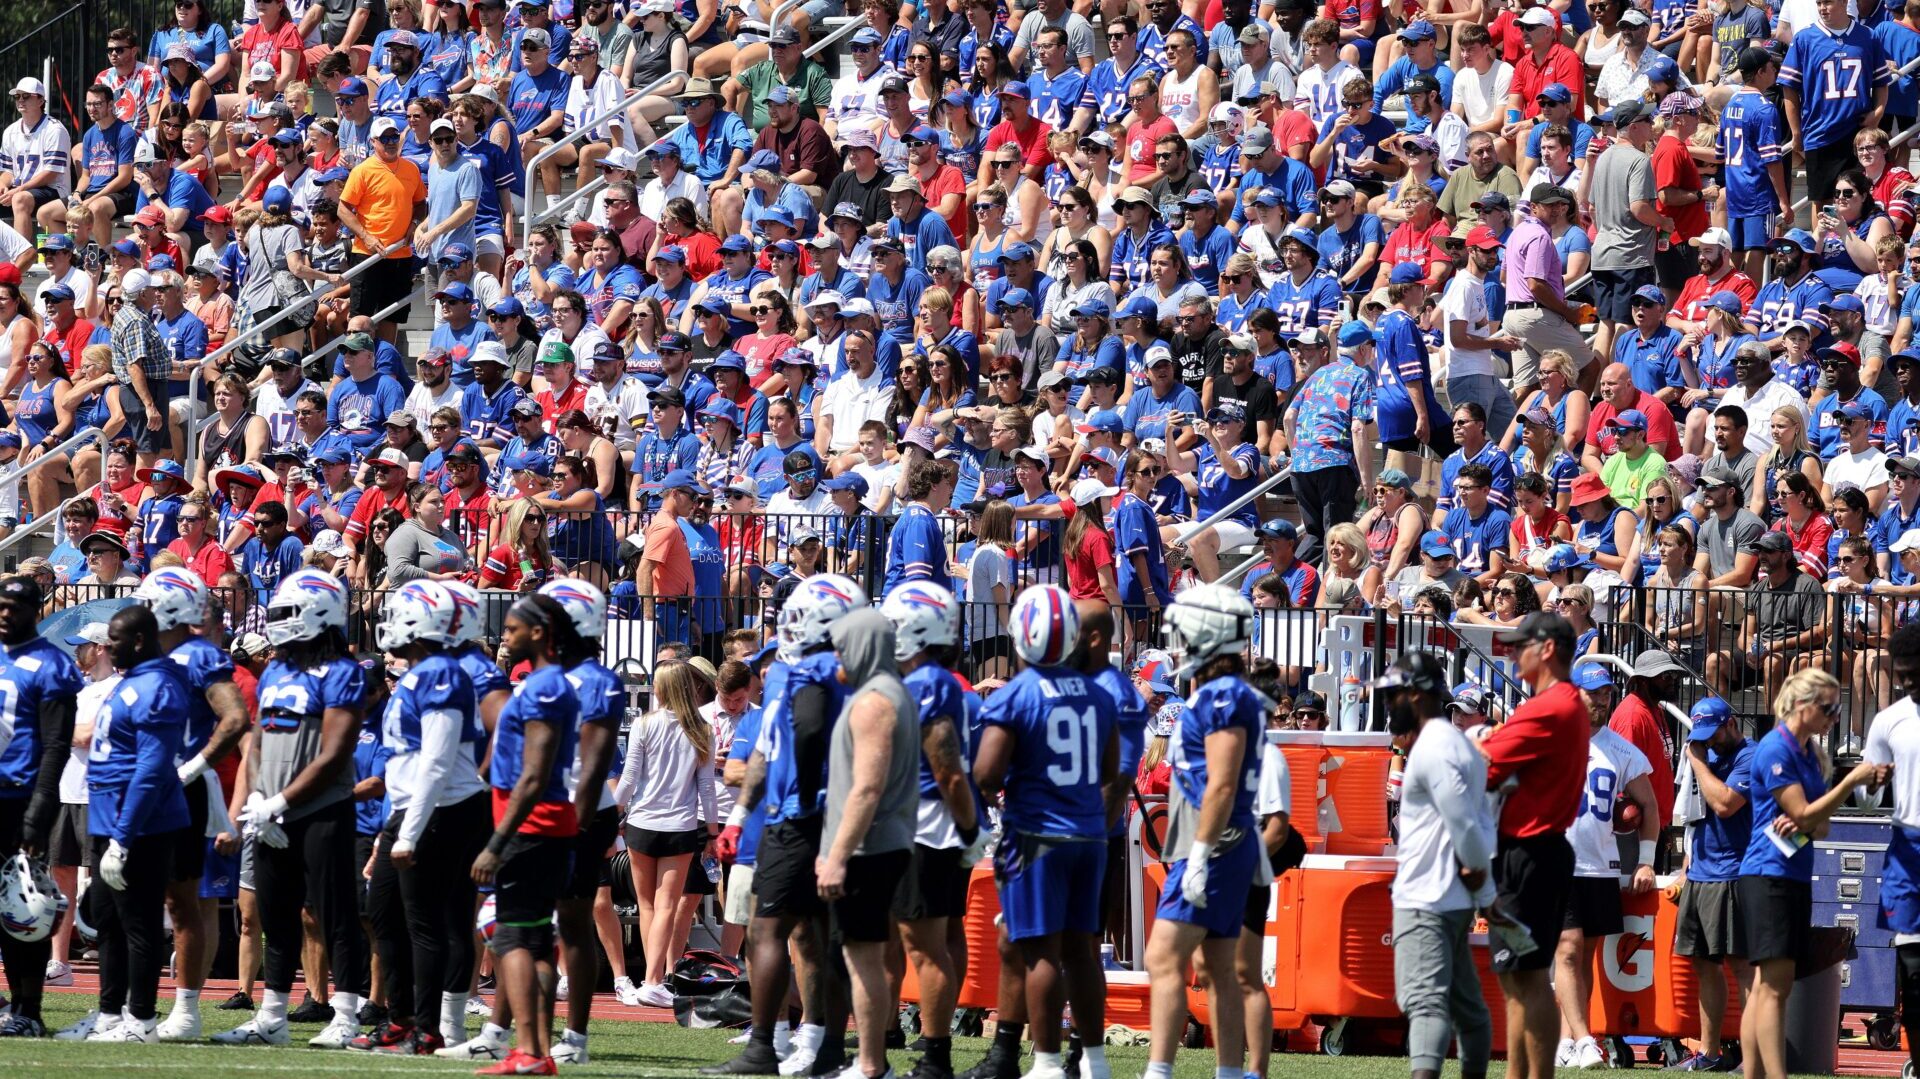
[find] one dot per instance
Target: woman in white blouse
(666, 791)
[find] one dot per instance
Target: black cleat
(311, 1011)
(995, 1066)
(753, 1060)
(239, 1002)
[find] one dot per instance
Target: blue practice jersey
(917, 550)
(31, 675)
(1221, 705)
(133, 787)
(603, 700)
(785, 784)
(545, 696)
(1060, 721)
(745, 736)
(201, 664)
(1130, 722)
(438, 683)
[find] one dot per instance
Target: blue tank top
(985, 266)
(35, 412)
(583, 537)
(1599, 534)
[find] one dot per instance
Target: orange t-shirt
(667, 549)
(383, 195)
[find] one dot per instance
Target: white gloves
(113, 866)
(1193, 879)
(400, 846)
(260, 815)
(192, 770)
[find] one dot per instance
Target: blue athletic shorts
(1050, 885)
(1900, 884)
(1229, 876)
(1750, 233)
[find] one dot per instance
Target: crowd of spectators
(914, 305)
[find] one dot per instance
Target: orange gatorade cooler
(1625, 998)
(980, 985)
(1677, 1006)
(1279, 958)
(1305, 753)
(1346, 936)
(1356, 767)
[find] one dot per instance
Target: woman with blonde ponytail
(666, 790)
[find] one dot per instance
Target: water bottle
(1353, 711)
(712, 866)
(1108, 961)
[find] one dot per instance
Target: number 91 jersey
(1612, 763)
(1061, 722)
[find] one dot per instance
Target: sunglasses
(1149, 473)
(1845, 193)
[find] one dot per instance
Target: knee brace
(537, 939)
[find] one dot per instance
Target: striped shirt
(25, 151)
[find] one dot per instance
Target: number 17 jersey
(1060, 721)
(1749, 142)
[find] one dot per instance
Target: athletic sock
(1157, 1070)
(573, 1037)
(939, 1053)
(1044, 1063)
(1006, 1039)
(187, 1000)
(346, 1007)
(273, 1006)
(453, 1017)
(1093, 1062)
(1229, 1073)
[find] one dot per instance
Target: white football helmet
(1206, 621)
(307, 604)
(468, 621)
(924, 615)
(1045, 625)
(814, 606)
(585, 604)
(416, 611)
(30, 903)
(176, 595)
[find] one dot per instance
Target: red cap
(218, 214)
(152, 215)
(1483, 238)
(9, 274)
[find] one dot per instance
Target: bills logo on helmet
(567, 593)
(321, 583)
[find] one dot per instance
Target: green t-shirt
(816, 90)
(1628, 480)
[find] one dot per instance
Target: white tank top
(1014, 218)
(1180, 98)
(6, 344)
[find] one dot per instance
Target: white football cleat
(482, 1046)
(256, 1032)
(337, 1035)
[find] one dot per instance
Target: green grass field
(620, 1049)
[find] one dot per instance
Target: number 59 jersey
(1061, 722)
(1612, 763)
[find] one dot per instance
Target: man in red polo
(1538, 759)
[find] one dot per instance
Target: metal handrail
(845, 31)
(46, 519)
(580, 131)
(254, 331)
(378, 317)
(1246, 565)
(554, 209)
(36, 526)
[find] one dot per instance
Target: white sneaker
(626, 992)
(130, 1032)
(78, 1032)
(800, 1060)
(337, 1034)
(58, 973)
(482, 1046)
(656, 996)
(1563, 1056)
(742, 1038)
(256, 1032)
(566, 1052)
(1037, 1073)
(182, 1026)
(480, 1006)
(1587, 1054)
(103, 1028)
(560, 990)
(782, 1039)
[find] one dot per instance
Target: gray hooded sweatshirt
(864, 641)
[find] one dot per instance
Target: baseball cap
(1434, 544)
(1589, 675)
(1773, 542)
(1707, 716)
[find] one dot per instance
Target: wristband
(1198, 851)
(737, 818)
(1646, 852)
(497, 843)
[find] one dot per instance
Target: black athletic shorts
(1533, 876)
(933, 886)
(1259, 898)
(386, 281)
(1593, 906)
(864, 912)
(1613, 291)
(533, 871)
(190, 853)
(1776, 914)
(70, 846)
(590, 855)
(783, 880)
(665, 844)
